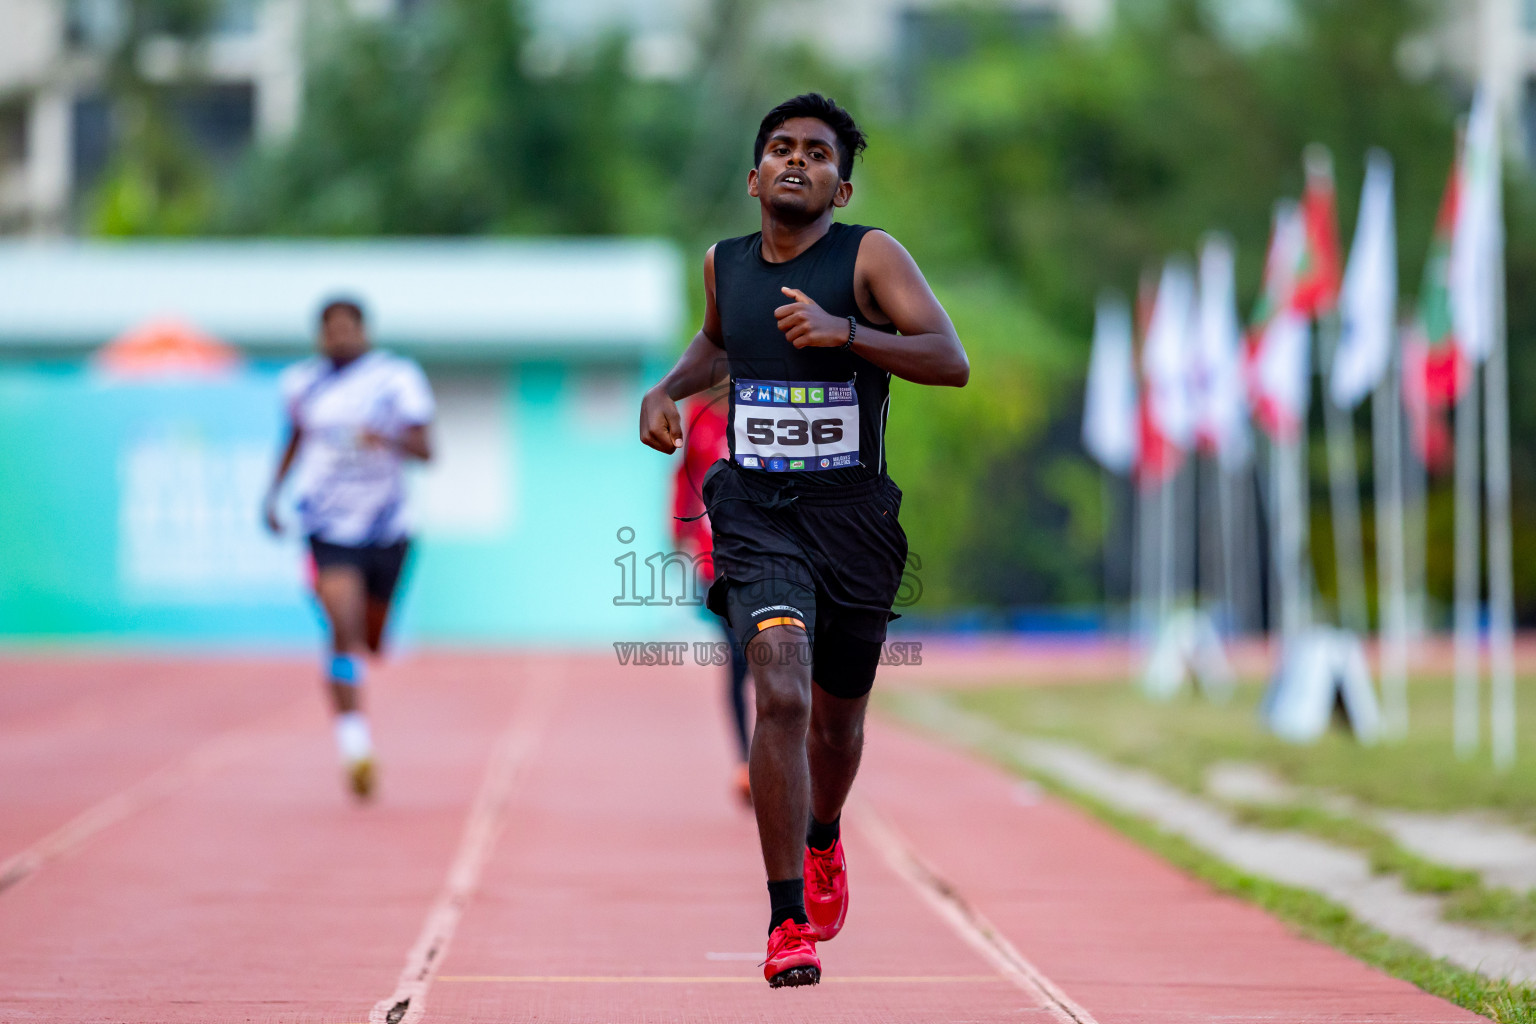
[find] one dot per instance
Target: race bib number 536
(795, 426)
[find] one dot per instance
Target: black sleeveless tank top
(746, 294)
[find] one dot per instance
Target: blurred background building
(235, 70)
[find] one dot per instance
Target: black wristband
(853, 328)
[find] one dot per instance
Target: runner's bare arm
(269, 503)
(702, 365)
(414, 443)
(890, 288)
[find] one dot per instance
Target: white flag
(1220, 397)
(1368, 304)
(1166, 358)
(1478, 243)
(1110, 428)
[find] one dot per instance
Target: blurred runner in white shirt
(355, 415)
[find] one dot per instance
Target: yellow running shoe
(360, 778)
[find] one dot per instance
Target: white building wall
(48, 172)
(279, 72)
(31, 37)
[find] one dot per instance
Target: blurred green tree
(156, 181)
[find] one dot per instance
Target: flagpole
(1501, 584)
(1226, 516)
(1301, 557)
(1147, 532)
(1106, 516)
(1415, 540)
(1165, 549)
(1344, 491)
(1269, 509)
(1386, 438)
(1288, 512)
(1191, 545)
(1501, 598)
(1246, 491)
(1468, 578)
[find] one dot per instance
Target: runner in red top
(704, 444)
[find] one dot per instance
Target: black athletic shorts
(828, 559)
(380, 564)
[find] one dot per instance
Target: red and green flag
(1316, 288)
(1434, 367)
(1278, 335)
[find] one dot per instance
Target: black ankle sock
(788, 900)
(821, 837)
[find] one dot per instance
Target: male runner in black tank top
(808, 318)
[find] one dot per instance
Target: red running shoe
(826, 890)
(792, 958)
(742, 784)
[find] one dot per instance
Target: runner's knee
(782, 704)
(840, 735)
(782, 684)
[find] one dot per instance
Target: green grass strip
(1513, 913)
(1467, 899)
(1386, 856)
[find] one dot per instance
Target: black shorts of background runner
(835, 554)
(380, 564)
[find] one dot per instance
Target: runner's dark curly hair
(850, 137)
(342, 304)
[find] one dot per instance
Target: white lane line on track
(967, 922)
(514, 748)
(208, 756)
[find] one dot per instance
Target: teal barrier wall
(128, 512)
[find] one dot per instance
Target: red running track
(555, 841)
